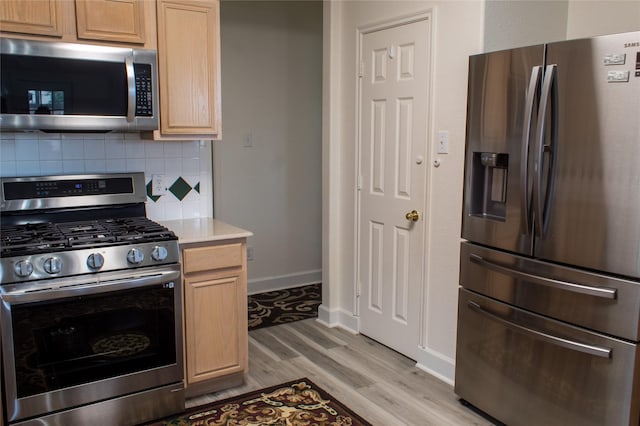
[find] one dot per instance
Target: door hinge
(359, 183)
(361, 70)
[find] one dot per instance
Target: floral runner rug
(297, 403)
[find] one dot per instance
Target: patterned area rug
(283, 306)
(296, 403)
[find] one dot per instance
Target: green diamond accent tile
(197, 187)
(154, 198)
(180, 188)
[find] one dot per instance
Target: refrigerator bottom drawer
(526, 369)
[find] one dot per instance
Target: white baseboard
(338, 318)
(436, 364)
(262, 285)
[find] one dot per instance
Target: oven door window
(72, 341)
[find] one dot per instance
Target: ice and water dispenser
(489, 185)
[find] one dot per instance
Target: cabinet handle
(603, 292)
(598, 351)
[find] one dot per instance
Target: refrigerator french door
(592, 218)
(550, 271)
(553, 152)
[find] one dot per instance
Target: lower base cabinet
(215, 315)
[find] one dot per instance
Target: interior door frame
(361, 32)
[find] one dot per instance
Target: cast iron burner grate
(34, 238)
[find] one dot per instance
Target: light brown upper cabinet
(42, 17)
(121, 20)
(189, 69)
(106, 22)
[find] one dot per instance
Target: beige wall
(510, 24)
(272, 94)
(460, 28)
(590, 18)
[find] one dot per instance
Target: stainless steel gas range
(91, 303)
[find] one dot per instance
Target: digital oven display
(66, 188)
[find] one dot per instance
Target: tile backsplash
(186, 165)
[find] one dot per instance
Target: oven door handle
(168, 278)
(584, 348)
(603, 292)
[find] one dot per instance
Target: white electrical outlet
(443, 142)
(250, 253)
(158, 186)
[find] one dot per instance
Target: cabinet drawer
(526, 369)
(589, 300)
(212, 257)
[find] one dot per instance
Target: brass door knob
(413, 216)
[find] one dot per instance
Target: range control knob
(23, 269)
(135, 256)
(53, 265)
(95, 261)
(159, 253)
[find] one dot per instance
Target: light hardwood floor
(381, 385)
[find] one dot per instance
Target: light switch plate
(247, 140)
(442, 139)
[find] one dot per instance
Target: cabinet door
(189, 62)
(215, 325)
(42, 17)
(110, 20)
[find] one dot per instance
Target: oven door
(73, 341)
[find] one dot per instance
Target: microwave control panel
(144, 90)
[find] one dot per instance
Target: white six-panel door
(394, 114)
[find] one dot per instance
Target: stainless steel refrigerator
(549, 303)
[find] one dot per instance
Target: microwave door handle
(601, 292)
(541, 129)
(534, 82)
(599, 351)
(131, 88)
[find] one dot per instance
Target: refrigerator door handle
(534, 82)
(549, 93)
(602, 292)
(598, 351)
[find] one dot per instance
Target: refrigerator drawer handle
(603, 292)
(598, 351)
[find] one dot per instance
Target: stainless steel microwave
(55, 86)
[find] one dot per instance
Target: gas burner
(29, 238)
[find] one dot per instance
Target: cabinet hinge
(359, 183)
(361, 70)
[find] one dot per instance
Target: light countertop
(203, 230)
